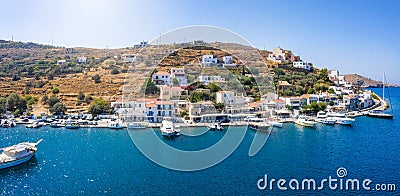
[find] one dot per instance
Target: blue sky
(355, 36)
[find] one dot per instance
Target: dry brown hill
(368, 82)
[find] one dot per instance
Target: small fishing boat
(72, 125)
(17, 154)
(336, 114)
(304, 121)
(258, 124)
(55, 124)
(322, 114)
(35, 124)
(328, 121)
(168, 129)
(216, 127)
(344, 121)
(7, 123)
(115, 126)
(275, 123)
(137, 125)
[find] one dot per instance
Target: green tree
(322, 106)
(96, 78)
(3, 108)
(183, 113)
(88, 99)
(45, 98)
(198, 96)
(114, 71)
(100, 106)
(37, 76)
(53, 100)
(149, 88)
(55, 90)
(81, 96)
(175, 82)
(15, 102)
(248, 81)
(331, 103)
(58, 109)
(315, 107)
(30, 70)
(311, 91)
(15, 77)
(219, 106)
(30, 100)
(214, 88)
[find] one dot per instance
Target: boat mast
(383, 87)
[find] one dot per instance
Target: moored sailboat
(381, 113)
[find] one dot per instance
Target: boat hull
(16, 162)
(302, 123)
(276, 124)
(165, 134)
(386, 116)
(344, 122)
(326, 121)
(257, 127)
(136, 127)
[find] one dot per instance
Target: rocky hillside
(368, 82)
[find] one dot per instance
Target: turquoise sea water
(103, 161)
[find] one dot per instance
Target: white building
(365, 100)
(228, 61)
(301, 65)
(130, 111)
(277, 55)
(161, 78)
(293, 102)
(142, 44)
(122, 104)
(209, 60)
(226, 97)
(82, 59)
(128, 58)
(229, 98)
(206, 79)
(156, 110)
(179, 75)
(62, 62)
(336, 78)
(171, 93)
